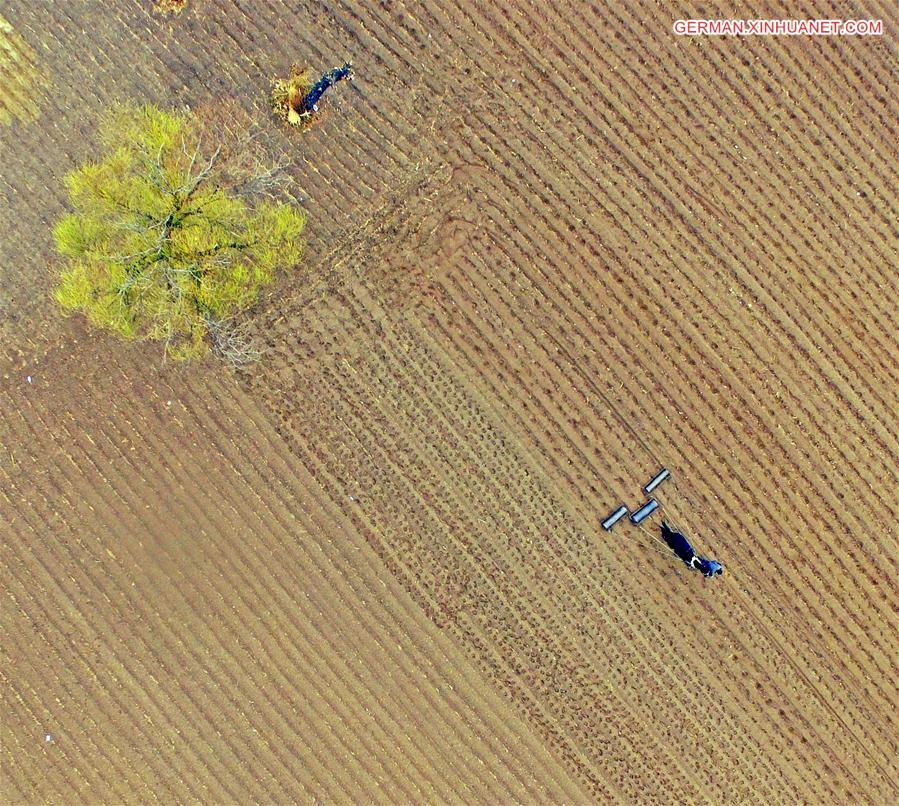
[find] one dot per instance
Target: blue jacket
(709, 568)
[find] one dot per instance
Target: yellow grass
(287, 95)
(19, 76)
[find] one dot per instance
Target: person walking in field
(685, 552)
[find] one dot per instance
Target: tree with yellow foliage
(174, 232)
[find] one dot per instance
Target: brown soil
(549, 253)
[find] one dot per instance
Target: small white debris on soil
(28, 379)
(168, 402)
(49, 738)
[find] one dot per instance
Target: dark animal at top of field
(328, 80)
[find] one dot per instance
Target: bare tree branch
(189, 187)
(230, 343)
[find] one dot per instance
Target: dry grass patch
(287, 97)
(170, 6)
(19, 76)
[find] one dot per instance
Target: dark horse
(328, 80)
(685, 552)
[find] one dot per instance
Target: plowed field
(551, 249)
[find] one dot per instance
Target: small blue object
(616, 516)
(645, 511)
(709, 568)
